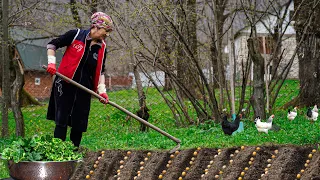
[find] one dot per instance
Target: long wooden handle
(120, 108)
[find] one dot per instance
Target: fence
(122, 90)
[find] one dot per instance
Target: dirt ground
(264, 163)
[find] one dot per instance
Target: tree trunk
(141, 94)
(182, 67)
(232, 70)
(276, 57)
(166, 49)
(1, 68)
(185, 67)
(167, 83)
(218, 31)
(75, 14)
(308, 53)
(309, 70)
(93, 6)
(16, 93)
(27, 99)
(5, 70)
(192, 39)
(1, 55)
(257, 99)
(214, 63)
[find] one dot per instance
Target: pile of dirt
(267, 162)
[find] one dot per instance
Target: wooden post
(266, 72)
(232, 66)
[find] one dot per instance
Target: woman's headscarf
(102, 20)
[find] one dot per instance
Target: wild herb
(41, 148)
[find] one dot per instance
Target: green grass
(3, 166)
(109, 129)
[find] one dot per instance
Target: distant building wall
(118, 82)
(158, 77)
(288, 47)
(39, 83)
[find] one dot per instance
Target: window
(268, 43)
(37, 81)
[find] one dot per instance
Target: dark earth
(265, 162)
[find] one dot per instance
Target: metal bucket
(42, 170)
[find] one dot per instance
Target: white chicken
(263, 130)
(292, 114)
(312, 114)
(263, 126)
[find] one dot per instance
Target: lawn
(110, 128)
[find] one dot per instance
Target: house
(288, 42)
(38, 82)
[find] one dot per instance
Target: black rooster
(309, 112)
(143, 113)
(229, 127)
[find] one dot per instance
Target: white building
(288, 42)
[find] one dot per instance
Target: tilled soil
(264, 163)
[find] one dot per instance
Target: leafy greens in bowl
(41, 148)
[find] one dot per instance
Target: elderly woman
(83, 61)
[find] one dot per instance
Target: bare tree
(93, 4)
(17, 86)
(25, 13)
(266, 89)
(75, 13)
(162, 40)
(218, 8)
(307, 27)
(257, 99)
(5, 69)
(135, 64)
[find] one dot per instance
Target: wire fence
(122, 90)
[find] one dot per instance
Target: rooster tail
(237, 120)
(224, 120)
(309, 112)
(256, 119)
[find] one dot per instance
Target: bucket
(42, 170)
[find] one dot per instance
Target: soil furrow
(108, 164)
(203, 160)
(280, 162)
(180, 162)
(289, 162)
(154, 166)
(85, 166)
(221, 160)
(240, 161)
(313, 169)
(131, 167)
(260, 163)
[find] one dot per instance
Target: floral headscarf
(101, 20)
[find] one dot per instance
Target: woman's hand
(51, 65)
(105, 99)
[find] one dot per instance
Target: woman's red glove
(51, 65)
(52, 69)
(106, 98)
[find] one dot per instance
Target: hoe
(178, 141)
